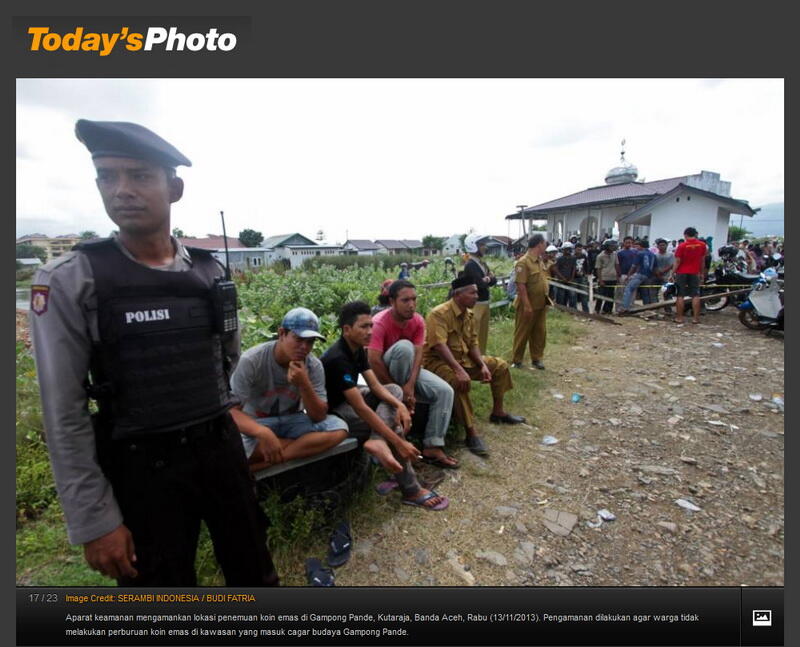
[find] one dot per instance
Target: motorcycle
(763, 307)
(729, 276)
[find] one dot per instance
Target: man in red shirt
(689, 271)
(395, 356)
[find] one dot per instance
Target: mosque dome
(624, 173)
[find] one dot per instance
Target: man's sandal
(420, 501)
(317, 574)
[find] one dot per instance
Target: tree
(26, 250)
(88, 235)
(433, 242)
(178, 233)
(737, 233)
(251, 238)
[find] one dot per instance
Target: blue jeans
(429, 388)
(292, 426)
(630, 290)
(566, 298)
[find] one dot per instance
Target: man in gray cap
(274, 382)
(136, 323)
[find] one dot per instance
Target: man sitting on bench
(375, 410)
(274, 382)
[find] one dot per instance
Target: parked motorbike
(729, 276)
(763, 307)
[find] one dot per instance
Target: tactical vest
(159, 365)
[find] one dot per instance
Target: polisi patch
(142, 316)
(39, 296)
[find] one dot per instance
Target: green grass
(45, 558)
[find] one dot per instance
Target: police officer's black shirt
(342, 367)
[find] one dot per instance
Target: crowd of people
(637, 269)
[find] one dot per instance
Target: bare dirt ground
(668, 413)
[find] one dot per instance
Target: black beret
(461, 281)
(123, 139)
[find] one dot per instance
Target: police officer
(134, 323)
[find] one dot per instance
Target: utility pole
(521, 208)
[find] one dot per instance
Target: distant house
(452, 246)
(497, 245)
(55, 246)
(241, 258)
(413, 246)
(360, 247)
(211, 242)
(657, 209)
(295, 249)
(29, 262)
(245, 258)
(296, 255)
(392, 247)
(281, 240)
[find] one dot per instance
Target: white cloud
(394, 158)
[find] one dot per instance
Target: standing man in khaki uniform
(451, 351)
(531, 304)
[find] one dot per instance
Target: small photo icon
(762, 618)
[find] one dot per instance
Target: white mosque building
(657, 209)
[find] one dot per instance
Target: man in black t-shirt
(564, 271)
(375, 410)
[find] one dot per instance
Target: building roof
(603, 194)
(503, 239)
(313, 246)
(211, 242)
(29, 261)
(362, 244)
(412, 244)
(393, 244)
(736, 206)
(280, 239)
(29, 237)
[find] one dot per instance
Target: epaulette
(56, 262)
(91, 243)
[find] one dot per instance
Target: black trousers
(606, 291)
(167, 483)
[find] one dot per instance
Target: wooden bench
(347, 445)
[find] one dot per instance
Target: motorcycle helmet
(668, 290)
(471, 243)
(770, 273)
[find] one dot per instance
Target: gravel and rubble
(642, 437)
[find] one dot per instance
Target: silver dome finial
(625, 172)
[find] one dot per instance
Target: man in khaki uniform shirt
(451, 351)
(531, 304)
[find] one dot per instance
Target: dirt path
(666, 414)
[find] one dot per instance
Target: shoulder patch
(39, 297)
(348, 378)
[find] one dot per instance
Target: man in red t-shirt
(395, 355)
(689, 271)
